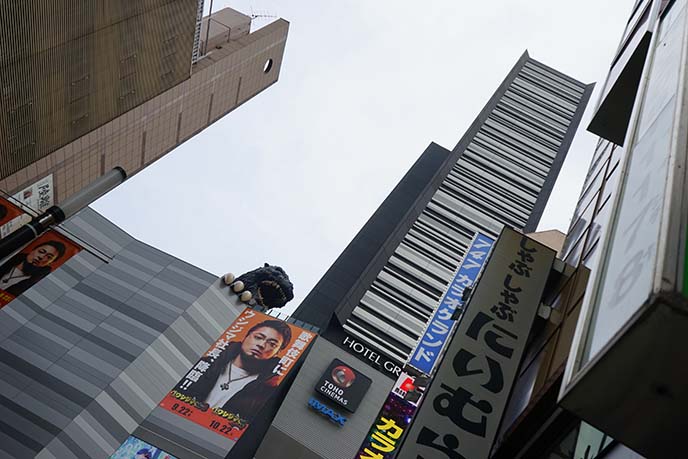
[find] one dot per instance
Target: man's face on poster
(262, 343)
(42, 255)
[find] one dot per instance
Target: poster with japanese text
(35, 261)
(232, 381)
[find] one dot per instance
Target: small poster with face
(38, 259)
(232, 381)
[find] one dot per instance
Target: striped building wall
(87, 353)
(500, 173)
(503, 176)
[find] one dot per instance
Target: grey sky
(293, 174)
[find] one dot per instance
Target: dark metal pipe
(58, 214)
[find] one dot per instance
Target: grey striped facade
(87, 353)
(500, 173)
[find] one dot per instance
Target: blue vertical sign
(439, 327)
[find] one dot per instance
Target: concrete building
(374, 301)
(601, 377)
(89, 89)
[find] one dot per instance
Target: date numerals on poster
(222, 428)
(184, 411)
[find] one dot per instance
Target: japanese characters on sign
(438, 330)
(465, 403)
(228, 386)
(11, 217)
(384, 436)
(39, 196)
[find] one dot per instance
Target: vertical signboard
(468, 395)
(440, 325)
(38, 259)
(232, 381)
(37, 198)
(384, 437)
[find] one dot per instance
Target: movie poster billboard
(134, 448)
(231, 382)
(35, 261)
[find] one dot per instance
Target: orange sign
(38, 259)
(229, 385)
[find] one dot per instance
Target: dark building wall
(354, 270)
(68, 67)
(88, 352)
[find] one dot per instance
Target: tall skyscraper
(90, 87)
(374, 302)
(385, 285)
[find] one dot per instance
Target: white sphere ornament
(237, 286)
(246, 296)
(229, 278)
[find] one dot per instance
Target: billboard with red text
(232, 381)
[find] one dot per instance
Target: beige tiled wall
(230, 75)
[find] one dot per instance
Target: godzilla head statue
(270, 286)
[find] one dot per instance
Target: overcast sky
(293, 174)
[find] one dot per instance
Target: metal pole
(58, 214)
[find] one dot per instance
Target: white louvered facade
(496, 181)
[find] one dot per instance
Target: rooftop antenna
(261, 15)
